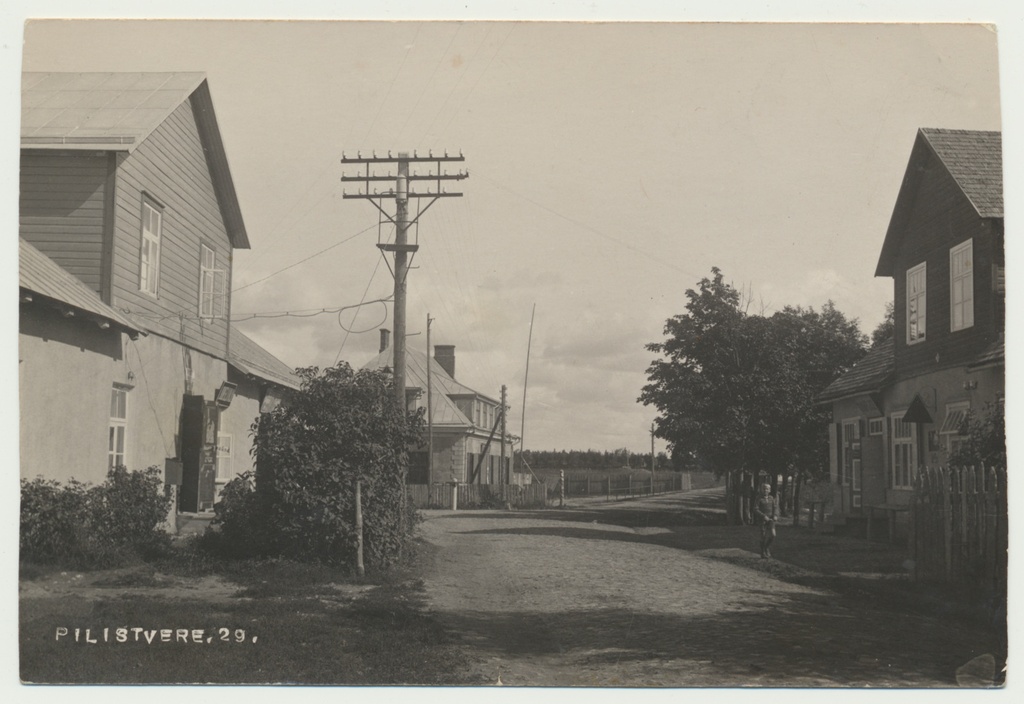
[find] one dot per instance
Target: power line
(577, 223)
(303, 261)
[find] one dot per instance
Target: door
(199, 425)
(851, 466)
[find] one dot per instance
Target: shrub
(85, 526)
(239, 531)
(52, 520)
(342, 426)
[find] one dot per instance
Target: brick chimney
(445, 356)
(385, 339)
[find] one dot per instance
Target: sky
(611, 166)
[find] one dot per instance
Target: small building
(466, 425)
(128, 223)
(903, 405)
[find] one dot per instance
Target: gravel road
(658, 592)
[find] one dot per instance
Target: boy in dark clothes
(766, 510)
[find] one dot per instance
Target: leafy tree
(738, 391)
(341, 426)
(886, 329)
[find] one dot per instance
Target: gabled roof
(117, 112)
(974, 161)
(444, 410)
(41, 276)
(249, 358)
(870, 374)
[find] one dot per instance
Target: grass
(284, 623)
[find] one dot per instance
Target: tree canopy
(738, 390)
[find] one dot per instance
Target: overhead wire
(303, 261)
(365, 292)
(653, 257)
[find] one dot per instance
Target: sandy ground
(653, 593)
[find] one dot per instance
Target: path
(645, 593)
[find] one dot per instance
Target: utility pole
(505, 479)
(401, 193)
(652, 449)
(430, 412)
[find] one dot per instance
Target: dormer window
(916, 303)
(149, 261)
(961, 286)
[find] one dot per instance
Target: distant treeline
(593, 459)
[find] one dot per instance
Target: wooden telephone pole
(401, 193)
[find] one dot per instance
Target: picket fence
(478, 495)
(958, 526)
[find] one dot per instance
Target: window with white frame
(950, 431)
(118, 427)
(149, 260)
(961, 286)
(211, 284)
(916, 303)
(876, 426)
(904, 452)
(224, 468)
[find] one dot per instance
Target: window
(956, 414)
(875, 426)
(149, 263)
(961, 286)
(211, 284)
(118, 427)
(224, 470)
(904, 452)
(916, 313)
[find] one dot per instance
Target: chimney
(385, 339)
(445, 356)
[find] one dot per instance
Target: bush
(85, 526)
(238, 532)
(341, 427)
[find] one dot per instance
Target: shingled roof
(444, 410)
(38, 275)
(249, 358)
(972, 158)
(870, 374)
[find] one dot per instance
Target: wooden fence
(478, 495)
(617, 486)
(958, 527)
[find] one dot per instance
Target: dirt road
(656, 592)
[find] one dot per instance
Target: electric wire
(303, 261)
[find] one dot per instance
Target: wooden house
(466, 425)
(128, 223)
(902, 406)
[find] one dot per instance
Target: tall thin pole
(504, 470)
(430, 412)
(401, 272)
(652, 449)
(526, 378)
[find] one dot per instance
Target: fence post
(561, 488)
(359, 530)
(629, 484)
(947, 523)
(608, 480)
